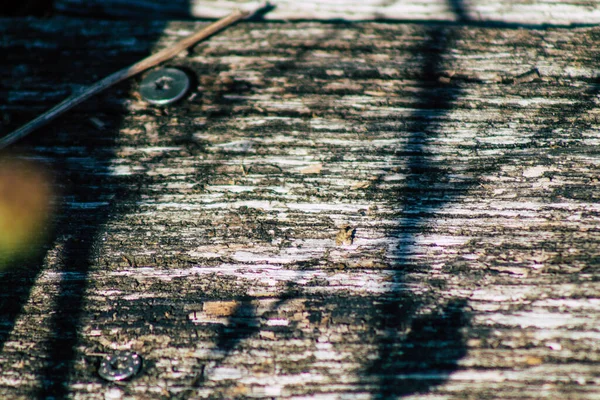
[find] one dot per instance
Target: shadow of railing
(416, 361)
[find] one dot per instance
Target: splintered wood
(335, 211)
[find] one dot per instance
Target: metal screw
(164, 86)
(119, 366)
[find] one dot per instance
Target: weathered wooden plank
(211, 236)
(527, 13)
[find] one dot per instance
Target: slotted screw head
(164, 86)
(119, 366)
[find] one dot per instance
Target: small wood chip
(345, 235)
(267, 335)
(533, 361)
(220, 308)
(361, 185)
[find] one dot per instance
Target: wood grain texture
(335, 211)
(564, 12)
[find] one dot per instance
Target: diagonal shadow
(91, 194)
(81, 158)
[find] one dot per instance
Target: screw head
(164, 86)
(119, 366)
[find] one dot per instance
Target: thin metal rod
(119, 76)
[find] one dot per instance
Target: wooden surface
(525, 12)
(348, 211)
